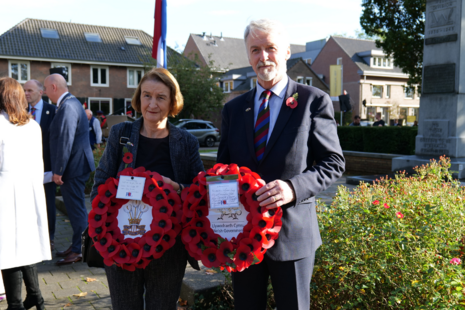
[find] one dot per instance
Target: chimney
(221, 39)
(211, 36)
(204, 37)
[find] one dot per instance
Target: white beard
(269, 73)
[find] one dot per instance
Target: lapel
(66, 97)
(248, 110)
(283, 117)
(44, 117)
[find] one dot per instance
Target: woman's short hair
(164, 76)
(13, 101)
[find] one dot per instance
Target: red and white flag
(159, 34)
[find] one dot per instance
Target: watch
(179, 191)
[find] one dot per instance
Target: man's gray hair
(39, 84)
(268, 26)
(91, 113)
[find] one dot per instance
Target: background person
(43, 113)
(379, 122)
(95, 132)
(356, 121)
(72, 159)
(283, 143)
(173, 153)
(24, 238)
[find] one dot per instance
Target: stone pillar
(441, 124)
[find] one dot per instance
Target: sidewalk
(61, 285)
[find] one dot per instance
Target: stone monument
(441, 124)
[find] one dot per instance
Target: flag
(335, 78)
(159, 34)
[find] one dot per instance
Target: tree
(400, 25)
(198, 84)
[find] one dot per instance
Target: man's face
(357, 121)
(267, 56)
(33, 93)
(89, 115)
(49, 91)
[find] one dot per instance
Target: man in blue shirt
(95, 132)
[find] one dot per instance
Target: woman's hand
(171, 182)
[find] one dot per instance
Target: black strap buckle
(124, 141)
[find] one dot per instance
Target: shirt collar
(61, 98)
(277, 89)
(39, 105)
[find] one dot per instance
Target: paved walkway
(61, 286)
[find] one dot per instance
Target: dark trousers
(161, 279)
(50, 191)
(74, 199)
(290, 280)
(13, 280)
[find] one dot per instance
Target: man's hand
(98, 145)
(57, 179)
(275, 194)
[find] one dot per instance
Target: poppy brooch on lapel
(291, 102)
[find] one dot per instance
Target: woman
(173, 153)
(24, 238)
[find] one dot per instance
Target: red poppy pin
(291, 102)
(127, 158)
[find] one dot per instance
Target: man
(72, 159)
(356, 121)
(396, 123)
(43, 113)
(95, 132)
(283, 137)
(379, 122)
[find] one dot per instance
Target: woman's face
(155, 101)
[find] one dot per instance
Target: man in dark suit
(289, 137)
(72, 159)
(43, 113)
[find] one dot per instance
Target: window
(309, 81)
(388, 91)
(309, 61)
(377, 91)
(227, 86)
(101, 104)
(66, 70)
(339, 61)
(134, 77)
(382, 62)
(49, 33)
(19, 70)
(128, 109)
(195, 125)
(300, 79)
(132, 41)
(99, 76)
(253, 82)
(408, 92)
(92, 37)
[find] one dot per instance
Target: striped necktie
(33, 113)
(262, 125)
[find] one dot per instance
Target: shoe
(70, 259)
(31, 302)
(52, 245)
(64, 253)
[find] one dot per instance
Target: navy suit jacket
(303, 149)
(48, 113)
(71, 154)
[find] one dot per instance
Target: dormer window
(381, 62)
(132, 40)
(49, 33)
(92, 37)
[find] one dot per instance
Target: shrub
(98, 152)
(393, 245)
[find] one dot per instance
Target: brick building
(371, 79)
(102, 65)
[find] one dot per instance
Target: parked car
(204, 131)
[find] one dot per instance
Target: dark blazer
(303, 149)
(45, 121)
(71, 154)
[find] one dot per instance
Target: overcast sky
(306, 20)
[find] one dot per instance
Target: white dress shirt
(275, 102)
(39, 108)
(61, 98)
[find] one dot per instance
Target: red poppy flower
(170, 238)
(143, 263)
(147, 249)
(400, 215)
(253, 244)
(291, 102)
(177, 228)
(262, 222)
(188, 234)
(128, 267)
(96, 220)
(160, 249)
(248, 184)
(109, 261)
(200, 211)
(261, 236)
(376, 202)
(162, 207)
(123, 256)
(277, 225)
(126, 171)
(243, 258)
(106, 192)
(197, 246)
(154, 236)
(225, 249)
(210, 258)
(162, 221)
(200, 222)
(233, 169)
(98, 206)
(103, 243)
(127, 158)
(98, 232)
(136, 252)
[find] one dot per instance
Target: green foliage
(389, 245)
(346, 118)
(98, 152)
(392, 140)
(401, 25)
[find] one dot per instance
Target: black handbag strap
(126, 134)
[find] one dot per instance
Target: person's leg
(291, 282)
(126, 288)
(163, 278)
(50, 190)
(13, 280)
(250, 286)
(31, 280)
(74, 199)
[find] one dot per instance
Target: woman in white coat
(24, 239)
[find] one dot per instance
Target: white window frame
(388, 94)
(300, 79)
(307, 79)
(135, 70)
(374, 62)
(253, 82)
(99, 73)
(405, 92)
(101, 98)
(339, 61)
(62, 64)
(20, 78)
(382, 91)
(229, 88)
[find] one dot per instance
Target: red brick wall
(191, 49)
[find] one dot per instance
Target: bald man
(95, 132)
(72, 159)
(43, 113)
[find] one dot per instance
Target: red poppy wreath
(136, 244)
(250, 245)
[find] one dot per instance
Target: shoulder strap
(126, 134)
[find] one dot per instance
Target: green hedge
(392, 140)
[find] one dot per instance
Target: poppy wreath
(129, 253)
(249, 247)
